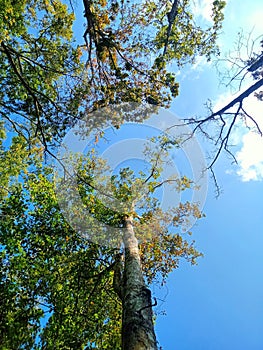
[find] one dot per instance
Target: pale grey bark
(137, 323)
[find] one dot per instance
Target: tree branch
(171, 18)
(239, 98)
(256, 65)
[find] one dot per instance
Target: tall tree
(130, 208)
(50, 269)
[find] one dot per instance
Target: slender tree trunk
(137, 323)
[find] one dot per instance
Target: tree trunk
(137, 323)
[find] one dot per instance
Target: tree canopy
(60, 288)
(49, 79)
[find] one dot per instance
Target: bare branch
(226, 118)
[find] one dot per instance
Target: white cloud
(203, 8)
(250, 156)
(200, 64)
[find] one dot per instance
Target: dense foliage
(48, 80)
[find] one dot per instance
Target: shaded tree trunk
(137, 323)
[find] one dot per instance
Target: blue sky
(218, 305)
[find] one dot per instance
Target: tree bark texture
(137, 323)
